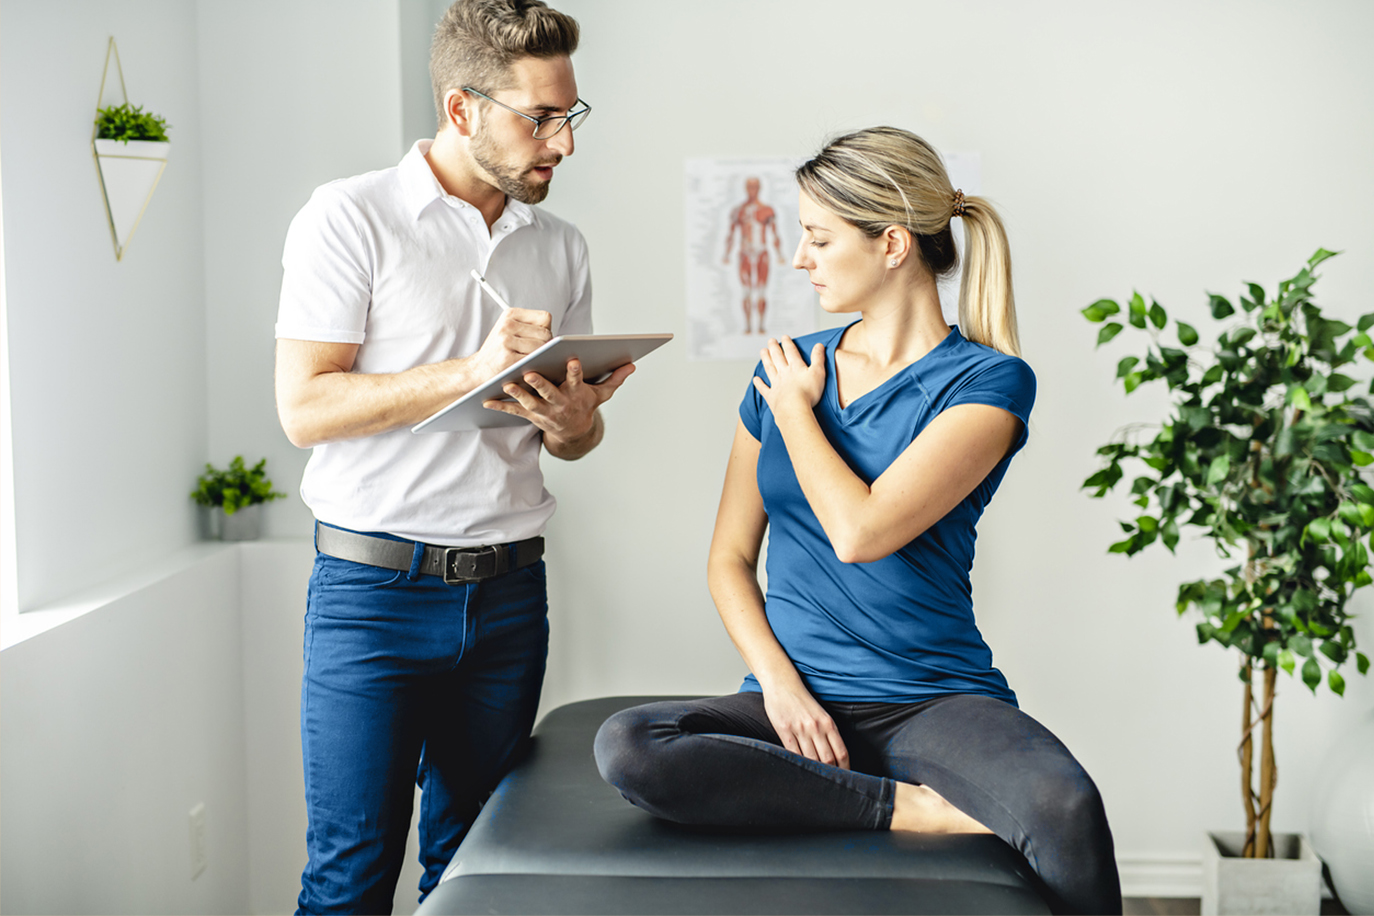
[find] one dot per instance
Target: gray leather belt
(456, 565)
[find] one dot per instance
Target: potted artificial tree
(1263, 449)
(235, 497)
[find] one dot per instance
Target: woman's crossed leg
(954, 764)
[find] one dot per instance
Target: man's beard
(509, 179)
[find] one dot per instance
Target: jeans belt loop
(417, 561)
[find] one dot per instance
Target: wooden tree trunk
(1269, 773)
(1259, 803)
(1247, 764)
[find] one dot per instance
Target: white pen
(495, 296)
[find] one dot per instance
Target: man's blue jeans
(408, 679)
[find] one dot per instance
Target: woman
(872, 701)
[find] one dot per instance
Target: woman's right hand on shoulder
(805, 727)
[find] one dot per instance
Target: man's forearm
(321, 399)
(332, 406)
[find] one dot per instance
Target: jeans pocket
(331, 572)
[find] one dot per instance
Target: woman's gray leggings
(719, 762)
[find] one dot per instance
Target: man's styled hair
(477, 41)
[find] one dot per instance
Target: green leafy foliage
(129, 122)
(235, 488)
(1262, 451)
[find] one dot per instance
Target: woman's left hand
(791, 382)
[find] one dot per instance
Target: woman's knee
(623, 749)
(1068, 802)
(637, 753)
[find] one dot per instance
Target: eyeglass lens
(550, 126)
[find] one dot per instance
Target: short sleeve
(578, 318)
(1008, 383)
(326, 273)
(752, 407)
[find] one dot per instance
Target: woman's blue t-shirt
(899, 629)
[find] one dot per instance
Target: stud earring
(893, 262)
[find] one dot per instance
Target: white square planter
(1287, 885)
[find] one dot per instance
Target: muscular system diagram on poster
(752, 223)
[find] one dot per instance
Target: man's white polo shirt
(384, 260)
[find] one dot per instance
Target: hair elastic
(958, 204)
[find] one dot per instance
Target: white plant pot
(243, 525)
(1287, 885)
(129, 173)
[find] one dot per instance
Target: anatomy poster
(741, 233)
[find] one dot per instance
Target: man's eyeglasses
(544, 128)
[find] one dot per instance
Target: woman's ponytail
(987, 308)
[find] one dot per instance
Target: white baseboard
(1160, 876)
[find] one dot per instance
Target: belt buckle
(473, 564)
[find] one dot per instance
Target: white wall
(115, 726)
(107, 358)
(273, 626)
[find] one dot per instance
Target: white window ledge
(17, 627)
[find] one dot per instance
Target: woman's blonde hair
(885, 176)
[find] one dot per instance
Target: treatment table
(555, 838)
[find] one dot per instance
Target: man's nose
(562, 142)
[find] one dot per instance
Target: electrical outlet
(200, 856)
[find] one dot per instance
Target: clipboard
(601, 354)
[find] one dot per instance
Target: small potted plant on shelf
(235, 497)
(1264, 449)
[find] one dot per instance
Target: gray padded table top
(555, 838)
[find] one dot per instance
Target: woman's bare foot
(923, 810)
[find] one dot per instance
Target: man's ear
(459, 109)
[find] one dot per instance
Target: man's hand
(517, 334)
(567, 413)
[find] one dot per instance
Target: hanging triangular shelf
(129, 171)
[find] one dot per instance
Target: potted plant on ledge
(1263, 449)
(235, 497)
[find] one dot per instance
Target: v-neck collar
(854, 408)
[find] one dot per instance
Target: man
(424, 662)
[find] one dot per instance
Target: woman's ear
(897, 244)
